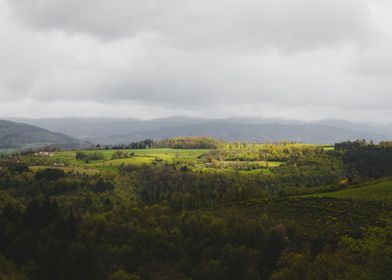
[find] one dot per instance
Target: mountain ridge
(124, 130)
(116, 131)
(306, 133)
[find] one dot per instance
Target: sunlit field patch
(374, 191)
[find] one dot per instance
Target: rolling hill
(114, 131)
(306, 133)
(18, 135)
(378, 190)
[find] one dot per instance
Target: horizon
(232, 118)
(200, 140)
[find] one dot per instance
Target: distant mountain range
(15, 135)
(115, 131)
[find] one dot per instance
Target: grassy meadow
(139, 156)
(381, 190)
(229, 211)
(192, 158)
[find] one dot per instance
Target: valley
(197, 208)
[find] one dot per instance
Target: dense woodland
(175, 143)
(165, 221)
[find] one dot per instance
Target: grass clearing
(139, 157)
(381, 190)
(190, 157)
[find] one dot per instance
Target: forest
(197, 208)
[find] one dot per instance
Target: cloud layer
(304, 59)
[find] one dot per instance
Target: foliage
(89, 156)
(379, 190)
(121, 154)
(144, 144)
(193, 214)
(189, 143)
(263, 152)
(374, 251)
(363, 159)
(369, 258)
(50, 174)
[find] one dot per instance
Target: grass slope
(22, 136)
(189, 157)
(381, 190)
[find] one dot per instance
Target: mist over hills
(93, 129)
(114, 131)
(19, 135)
(307, 133)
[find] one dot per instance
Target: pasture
(380, 190)
(193, 158)
(139, 156)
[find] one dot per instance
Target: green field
(140, 156)
(189, 157)
(381, 190)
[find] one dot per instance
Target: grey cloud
(298, 59)
(247, 24)
(375, 62)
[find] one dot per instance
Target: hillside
(97, 128)
(370, 191)
(306, 133)
(233, 213)
(114, 131)
(19, 135)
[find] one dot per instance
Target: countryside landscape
(195, 140)
(194, 208)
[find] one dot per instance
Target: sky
(303, 59)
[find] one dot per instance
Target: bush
(50, 174)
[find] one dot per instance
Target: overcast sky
(296, 59)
